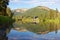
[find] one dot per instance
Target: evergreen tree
(56, 12)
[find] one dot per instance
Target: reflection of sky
(32, 36)
(33, 3)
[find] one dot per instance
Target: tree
(5, 18)
(3, 6)
(9, 12)
(57, 12)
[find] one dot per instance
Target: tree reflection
(3, 34)
(40, 28)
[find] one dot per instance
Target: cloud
(35, 1)
(15, 1)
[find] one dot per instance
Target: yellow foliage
(37, 20)
(27, 20)
(56, 21)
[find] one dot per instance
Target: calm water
(16, 35)
(41, 31)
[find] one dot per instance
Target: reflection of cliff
(43, 32)
(20, 29)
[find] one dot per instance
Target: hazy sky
(53, 4)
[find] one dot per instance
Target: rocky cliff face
(21, 10)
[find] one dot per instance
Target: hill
(41, 12)
(19, 11)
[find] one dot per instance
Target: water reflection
(30, 31)
(41, 28)
(16, 35)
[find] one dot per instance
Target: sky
(15, 4)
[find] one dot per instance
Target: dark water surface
(16, 35)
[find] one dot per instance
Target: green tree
(9, 12)
(57, 12)
(6, 20)
(3, 6)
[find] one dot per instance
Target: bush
(4, 19)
